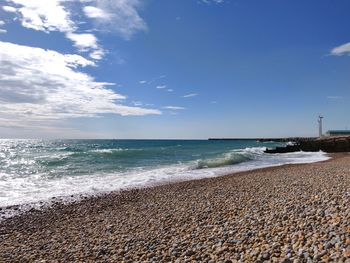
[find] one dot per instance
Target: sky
(166, 69)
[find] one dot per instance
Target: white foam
(15, 190)
(108, 150)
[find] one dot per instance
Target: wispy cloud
(341, 50)
(190, 95)
(156, 79)
(163, 87)
(174, 108)
(121, 16)
(334, 97)
(38, 84)
(2, 23)
(213, 1)
(137, 103)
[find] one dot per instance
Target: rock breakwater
(326, 144)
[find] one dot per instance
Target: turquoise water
(37, 170)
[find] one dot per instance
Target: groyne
(284, 139)
(326, 144)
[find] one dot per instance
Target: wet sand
(292, 213)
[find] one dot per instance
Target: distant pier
(285, 139)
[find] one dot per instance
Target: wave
(16, 190)
(231, 158)
(228, 159)
(108, 150)
(105, 152)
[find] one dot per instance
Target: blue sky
(173, 69)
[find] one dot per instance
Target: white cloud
(9, 9)
(174, 108)
(43, 15)
(87, 42)
(38, 84)
(341, 50)
(190, 95)
(1, 29)
(83, 41)
(164, 87)
(99, 53)
(94, 12)
(143, 81)
(121, 16)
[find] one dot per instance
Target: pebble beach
(291, 213)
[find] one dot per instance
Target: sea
(37, 171)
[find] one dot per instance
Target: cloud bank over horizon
(39, 84)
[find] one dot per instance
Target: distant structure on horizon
(338, 133)
(320, 125)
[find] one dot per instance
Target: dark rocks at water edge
(295, 213)
(326, 144)
(271, 139)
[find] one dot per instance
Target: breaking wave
(34, 171)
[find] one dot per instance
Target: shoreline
(226, 215)
(18, 210)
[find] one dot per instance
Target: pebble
(293, 213)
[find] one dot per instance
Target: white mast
(320, 125)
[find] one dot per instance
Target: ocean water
(32, 171)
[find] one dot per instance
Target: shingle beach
(292, 213)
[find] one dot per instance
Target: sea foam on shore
(296, 213)
(33, 171)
